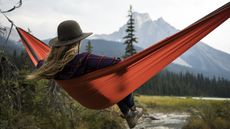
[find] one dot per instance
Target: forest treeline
(186, 84)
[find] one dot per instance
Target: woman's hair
(58, 57)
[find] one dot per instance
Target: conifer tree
(89, 47)
(130, 38)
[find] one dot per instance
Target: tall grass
(212, 116)
(205, 114)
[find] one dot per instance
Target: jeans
(126, 103)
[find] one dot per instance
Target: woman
(65, 62)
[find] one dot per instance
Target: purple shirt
(83, 63)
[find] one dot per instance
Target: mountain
(148, 31)
(201, 58)
(107, 48)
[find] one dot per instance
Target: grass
(205, 114)
(174, 104)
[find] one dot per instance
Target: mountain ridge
(201, 57)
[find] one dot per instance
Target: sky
(106, 16)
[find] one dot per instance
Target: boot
(133, 115)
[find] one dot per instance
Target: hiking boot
(133, 116)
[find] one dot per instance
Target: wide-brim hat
(69, 32)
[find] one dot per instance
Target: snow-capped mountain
(200, 58)
(148, 31)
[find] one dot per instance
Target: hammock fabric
(105, 87)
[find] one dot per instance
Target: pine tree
(89, 47)
(130, 37)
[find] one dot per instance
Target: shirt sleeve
(94, 62)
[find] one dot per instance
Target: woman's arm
(94, 62)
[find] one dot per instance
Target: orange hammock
(105, 87)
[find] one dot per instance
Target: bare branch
(19, 4)
(3, 29)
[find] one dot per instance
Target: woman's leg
(126, 103)
(130, 113)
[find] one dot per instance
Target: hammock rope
(104, 87)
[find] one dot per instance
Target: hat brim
(56, 43)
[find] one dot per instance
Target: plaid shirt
(83, 63)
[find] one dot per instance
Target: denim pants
(126, 103)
